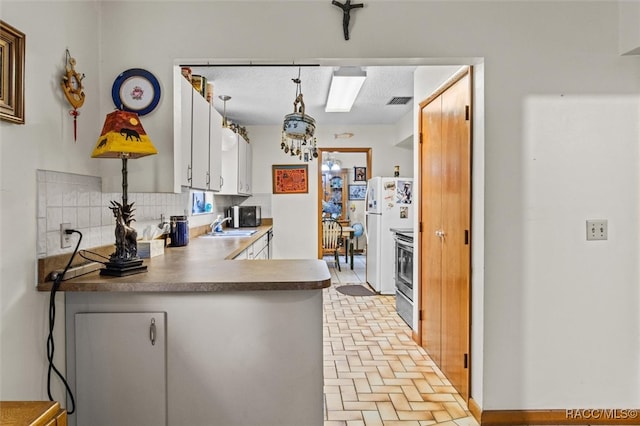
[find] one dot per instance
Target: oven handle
(404, 243)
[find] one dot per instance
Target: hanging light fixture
(224, 99)
(298, 129)
(331, 164)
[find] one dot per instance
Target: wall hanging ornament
(298, 129)
(73, 91)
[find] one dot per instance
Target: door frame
(321, 151)
(417, 334)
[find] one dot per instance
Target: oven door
(404, 267)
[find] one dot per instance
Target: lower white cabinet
(121, 368)
(233, 358)
(259, 249)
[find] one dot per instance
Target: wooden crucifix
(346, 14)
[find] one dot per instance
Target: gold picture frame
(12, 48)
(290, 178)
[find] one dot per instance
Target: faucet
(216, 226)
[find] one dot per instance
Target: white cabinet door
(186, 104)
(200, 142)
(121, 368)
(236, 164)
(229, 162)
(242, 165)
(215, 150)
(248, 166)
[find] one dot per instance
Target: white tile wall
(79, 200)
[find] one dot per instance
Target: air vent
(400, 100)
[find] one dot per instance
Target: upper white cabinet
(236, 164)
(200, 142)
(183, 131)
(214, 178)
(199, 133)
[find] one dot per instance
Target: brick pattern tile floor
(374, 374)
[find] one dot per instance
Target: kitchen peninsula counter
(204, 265)
(198, 339)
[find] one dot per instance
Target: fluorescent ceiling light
(345, 86)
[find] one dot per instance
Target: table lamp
(123, 137)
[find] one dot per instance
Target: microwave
(244, 216)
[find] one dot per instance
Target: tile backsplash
(79, 200)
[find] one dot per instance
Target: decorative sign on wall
(290, 179)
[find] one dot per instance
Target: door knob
(440, 233)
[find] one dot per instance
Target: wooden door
(431, 265)
(446, 220)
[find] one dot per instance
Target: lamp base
(121, 269)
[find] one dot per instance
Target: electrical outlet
(597, 230)
(65, 239)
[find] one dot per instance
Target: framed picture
(290, 178)
(357, 191)
(359, 174)
(11, 74)
(197, 204)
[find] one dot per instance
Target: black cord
(81, 253)
(52, 321)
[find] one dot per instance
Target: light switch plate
(597, 229)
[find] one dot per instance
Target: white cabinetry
(200, 142)
(214, 178)
(259, 249)
(236, 164)
(265, 369)
(183, 130)
(121, 368)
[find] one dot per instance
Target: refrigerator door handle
(366, 225)
(366, 214)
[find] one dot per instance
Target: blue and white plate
(136, 90)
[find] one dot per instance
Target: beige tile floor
(374, 374)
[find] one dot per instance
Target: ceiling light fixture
(346, 83)
(298, 129)
(331, 164)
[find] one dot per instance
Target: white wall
(629, 15)
(44, 142)
(532, 52)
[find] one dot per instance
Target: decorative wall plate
(136, 90)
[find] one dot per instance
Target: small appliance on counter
(244, 216)
(179, 231)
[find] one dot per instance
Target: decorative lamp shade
(123, 136)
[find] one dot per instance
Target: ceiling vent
(400, 100)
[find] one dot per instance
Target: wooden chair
(332, 239)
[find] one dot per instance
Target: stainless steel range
(404, 274)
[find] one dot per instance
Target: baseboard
(554, 417)
(474, 409)
(416, 337)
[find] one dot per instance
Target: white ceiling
(263, 95)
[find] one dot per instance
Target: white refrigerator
(389, 203)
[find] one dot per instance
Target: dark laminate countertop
(204, 266)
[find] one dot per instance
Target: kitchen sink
(231, 233)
